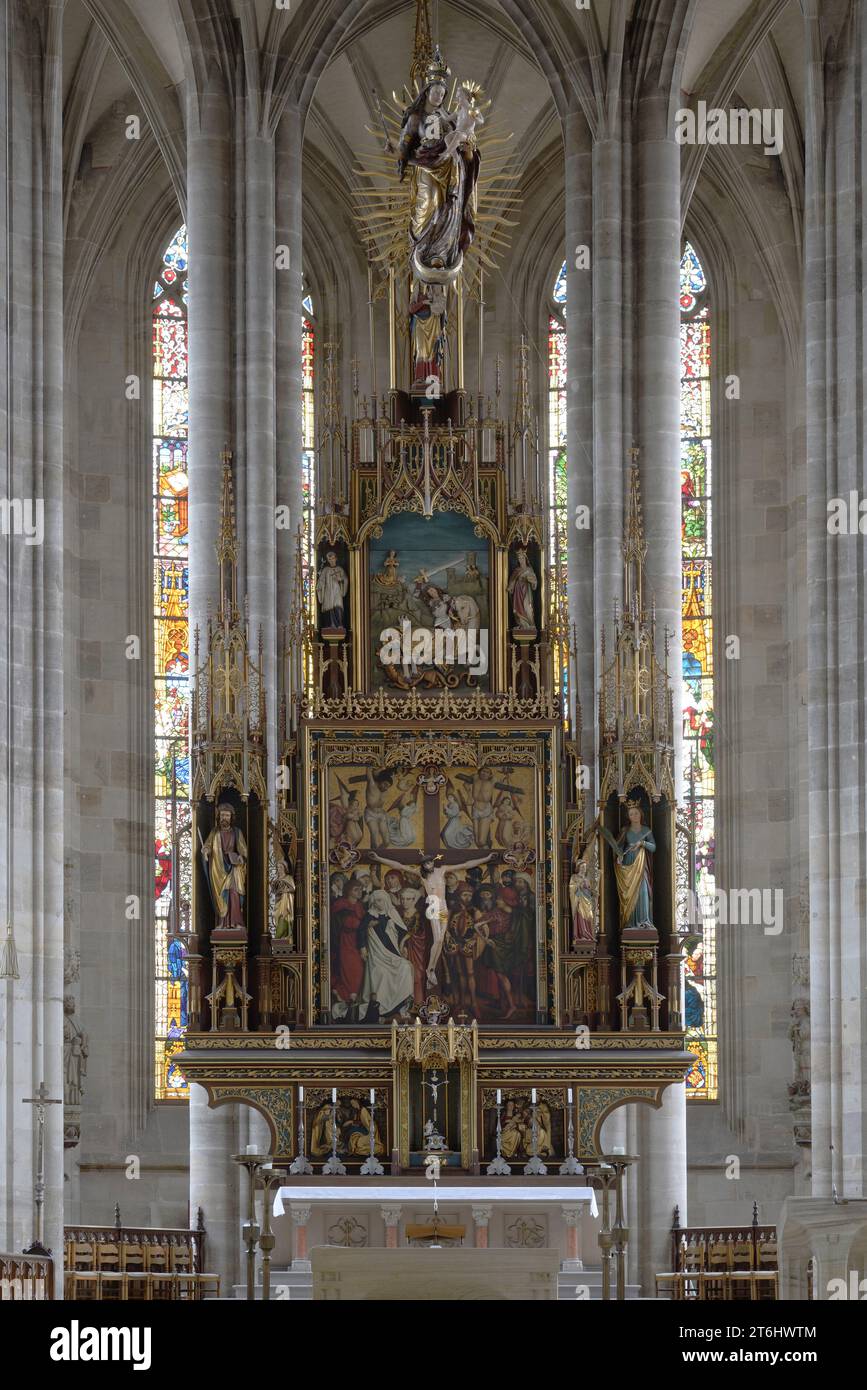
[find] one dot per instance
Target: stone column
(608, 394)
(572, 1221)
(580, 474)
(656, 161)
(836, 421)
(288, 352)
(391, 1217)
(300, 1216)
(212, 248)
(214, 1184)
(481, 1218)
(31, 617)
(660, 1183)
(259, 456)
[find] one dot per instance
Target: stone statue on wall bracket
(75, 1054)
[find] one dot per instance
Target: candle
(533, 1096)
(618, 1150)
(569, 1094)
(499, 1097)
(372, 1096)
(333, 1095)
(300, 1095)
(252, 1148)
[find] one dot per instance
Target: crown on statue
(437, 69)
(633, 805)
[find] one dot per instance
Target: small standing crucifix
(40, 1100)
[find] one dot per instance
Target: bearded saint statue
(225, 857)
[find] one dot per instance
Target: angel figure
(345, 814)
(457, 833)
(509, 818)
(400, 815)
(283, 886)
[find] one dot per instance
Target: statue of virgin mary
(444, 163)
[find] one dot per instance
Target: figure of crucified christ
(433, 876)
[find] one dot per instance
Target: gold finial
(331, 400)
(423, 46)
(227, 545)
(634, 543)
(522, 392)
(437, 69)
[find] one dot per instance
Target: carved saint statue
(225, 858)
(75, 1052)
(632, 850)
(283, 882)
(522, 585)
(427, 318)
(331, 589)
(284, 903)
(582, 901)
(799, 1033)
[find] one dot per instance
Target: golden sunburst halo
(383, 205)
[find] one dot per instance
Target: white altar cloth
(389, 1194)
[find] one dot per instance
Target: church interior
(434, 745)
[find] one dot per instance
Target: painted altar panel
(516, 1124)
(429, 586)
(432, 876)
(352, 1117)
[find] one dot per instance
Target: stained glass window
(698, 672)
(558, 503)
(308, 448)
(558, 294)
(171, 662)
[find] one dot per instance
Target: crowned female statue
(439, 146)
(632, 850)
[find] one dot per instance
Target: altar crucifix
(432, 871)
(443, 902)
(40, 1100)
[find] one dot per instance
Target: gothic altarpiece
(427, 943)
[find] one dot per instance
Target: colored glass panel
(171, 661)
(698, 665)
(557, 485)
(558, 294)
(308, 455)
